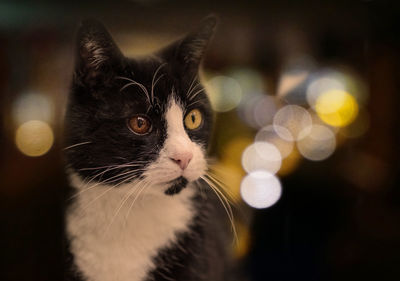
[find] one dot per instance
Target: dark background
(337, 220)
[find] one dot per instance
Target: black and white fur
(135, 214)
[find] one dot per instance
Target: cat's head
(138, 119)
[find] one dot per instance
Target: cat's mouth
(176, 185)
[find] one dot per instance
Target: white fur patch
(114, 242)
(110, 247)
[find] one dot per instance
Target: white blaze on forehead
(177, 138)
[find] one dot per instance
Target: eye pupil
(193, 117)
(140, 122)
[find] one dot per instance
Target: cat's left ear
(189, 51)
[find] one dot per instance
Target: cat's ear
(97, 54)
(189, 51)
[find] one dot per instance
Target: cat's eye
(193, 119)
(139, 124)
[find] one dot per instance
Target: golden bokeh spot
(290, 163)
(193, 119)
(232, 151)
(336, 108)
(231, 176)
(34, 138)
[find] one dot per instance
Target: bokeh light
(356, 87)
(230, 175)
(291, 80)
(316, 120)
(225, 93)
(260, 189)
(250, 80)
(296, 72)
(323, 82)
(34, 138)
(264, 110)
(290, 163)
(319, 143)
(258, 110)
(253, 93)
(336, 108)
(261, 156)
(295, 119)
(32, 106)
(246, 109)
(232, 151)
(269, 134)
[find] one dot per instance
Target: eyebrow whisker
(153, 84)
(134, 83)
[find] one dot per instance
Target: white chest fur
(109, 247)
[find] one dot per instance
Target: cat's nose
(182, 159)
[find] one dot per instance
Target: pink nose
(182, 159)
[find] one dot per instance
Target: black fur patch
(176, 186)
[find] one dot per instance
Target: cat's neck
(115, 235)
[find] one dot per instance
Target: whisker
(122, 177)
(134, 163)
(153, 84)
(220, 193)
(214, 178)
(120, 207)
(77, 144)
(107, 190)
(191, 85)
(225, 204)
(97, 197)
(134, 83)
(193, 103)
(117, 177)
(107, 170)
(226, 196)
(145, 185)
(196, 93)
(201, 188)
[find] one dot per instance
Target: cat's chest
(111, 240)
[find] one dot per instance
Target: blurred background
(306, 135)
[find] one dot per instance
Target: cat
(137, 131)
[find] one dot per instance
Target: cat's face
(138, 119)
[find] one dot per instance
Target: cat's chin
(176, 186)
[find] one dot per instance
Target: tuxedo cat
(137, 132)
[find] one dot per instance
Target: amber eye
(139, 124)
(193, 119)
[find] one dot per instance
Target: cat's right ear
(96, 55)
(189, 51)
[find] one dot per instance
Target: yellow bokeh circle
(34, 138)
(336, 108)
